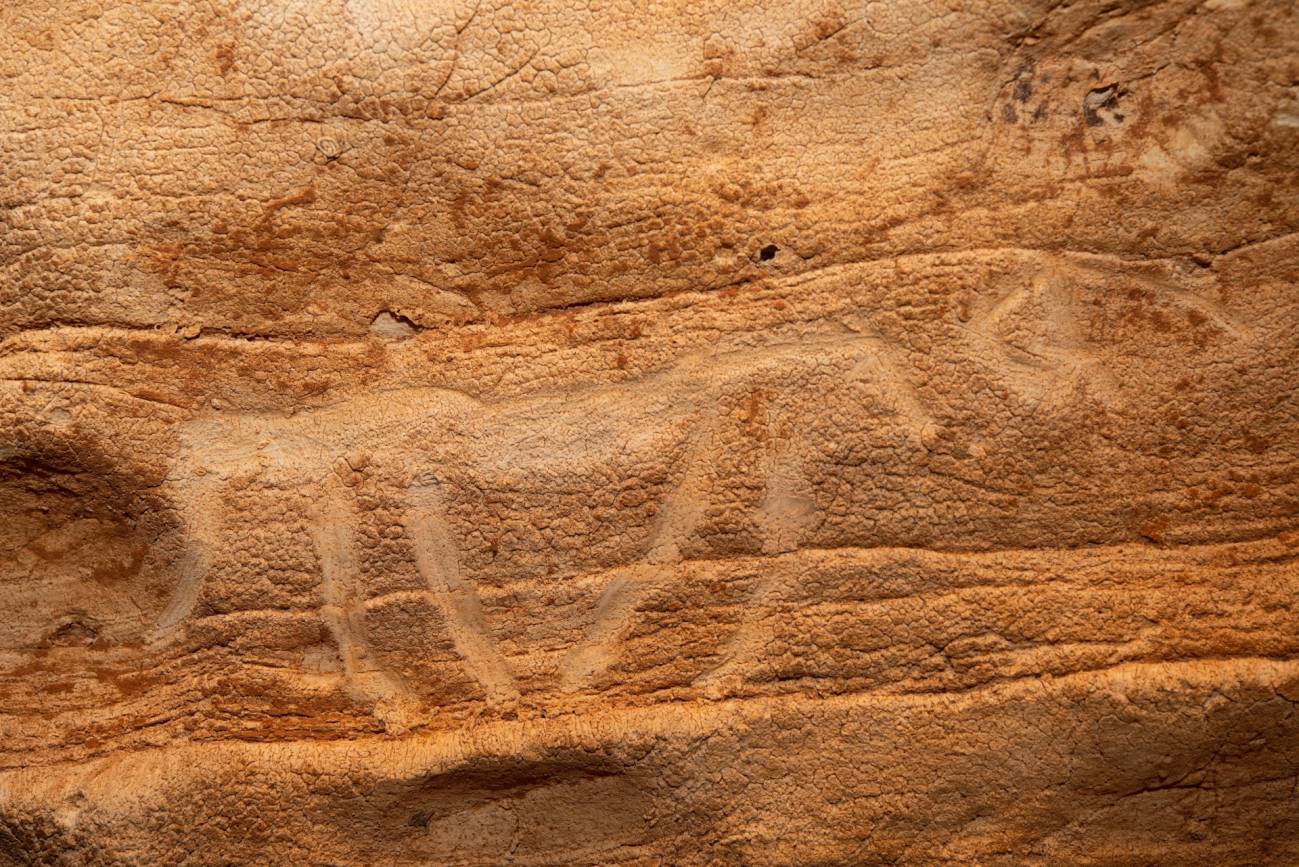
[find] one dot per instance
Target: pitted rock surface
(441, 432)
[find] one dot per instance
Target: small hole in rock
(767, 253)
(391, 326)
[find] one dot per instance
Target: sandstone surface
(722, 432)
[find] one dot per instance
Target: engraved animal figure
(589, 431)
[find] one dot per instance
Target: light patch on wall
(394, 24)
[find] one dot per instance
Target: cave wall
(699, 433)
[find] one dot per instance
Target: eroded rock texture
(472, 432)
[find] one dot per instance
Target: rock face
(470, 432)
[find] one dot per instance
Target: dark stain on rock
(74, 633)
(1098, 100)
(225, 57)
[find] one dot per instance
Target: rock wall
(730, 432)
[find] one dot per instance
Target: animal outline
(301, 451)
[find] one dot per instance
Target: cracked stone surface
(728, 432)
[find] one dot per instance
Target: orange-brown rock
(473, 432)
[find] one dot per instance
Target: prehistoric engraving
(439, 563)
(829, 431)
(306, 449)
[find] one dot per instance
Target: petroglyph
(439, 562)
(305, 450)
(1042, 328)
(464, 431)
(615, 610)
(788, 504)
(202, 526)
(880, 370)
(331, 531)
(744, 646)
(1042, 345)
